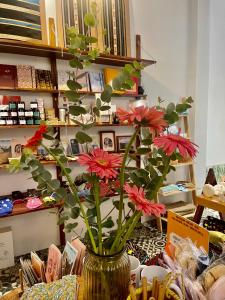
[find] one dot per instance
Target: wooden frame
(103, 141)
(118, 143)
(44, 37)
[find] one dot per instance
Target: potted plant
(106, 266)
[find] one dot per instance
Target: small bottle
(21, 112)
(9, 121)
(29, 121)
(4, 113)
(21, 105)
(2, 121)
(12, 105)
(29, 113)
(22, 120)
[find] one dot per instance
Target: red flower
(144, 116)
(38, 136)
(102, 163)
(171, 142)
(105, 189)
(137, 196)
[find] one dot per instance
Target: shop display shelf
(60, 126)
(181, 164)
(177, 192)
(23, 48)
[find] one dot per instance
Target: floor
(147, 239)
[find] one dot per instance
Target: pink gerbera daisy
(171, 142)
(102, 163)
(144, 116)
(137, 196)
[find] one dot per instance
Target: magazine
(54, 264)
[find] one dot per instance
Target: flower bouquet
(106, 269)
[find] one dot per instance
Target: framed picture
(75, 149)
(106, 119)
(122, 142)
(108, 141)
(23, 21)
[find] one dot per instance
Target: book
(95, 79)
(24, 76)
(28, 272)
(8, 76)
(81, 250)
(38, 266)
(54, 264)
(68, 259)
(83, 80)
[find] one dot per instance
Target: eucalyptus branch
(74, 191)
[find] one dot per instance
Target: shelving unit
(54, 53)
(183, 206)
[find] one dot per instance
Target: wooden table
(203, 202)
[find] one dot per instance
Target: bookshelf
(186, 209)
(54, 53)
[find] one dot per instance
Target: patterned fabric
(64, 289)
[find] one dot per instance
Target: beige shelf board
(177, 192)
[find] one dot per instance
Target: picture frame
(122, 141)
(108, 141)
(30, 27)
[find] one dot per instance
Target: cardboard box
(6, 248)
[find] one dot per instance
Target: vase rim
(106, 255)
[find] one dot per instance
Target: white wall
(216, 105)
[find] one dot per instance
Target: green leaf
(116, 204)
(75, 212)
(91, 39)
(106, 95)
(48, 137)
(91, 212)
(108, 223)
(75, 42)
(96, 111)
(55, 183)
(189, 100)
(172, 117)
(147, 142)
(75, 63)
(143, 150)
(61, 194)
(88, 204)
(72, 96)
(104, 108)
(83, 138)
(77, 110)
(70, 201)
(180, 108)
(57, 151)
(129, 68)
(89, 20)
(117, 84)
(131, 206)
(73, 85)
(98, 103)
(69, 227)
(170, 108)
(63, 159)
(46, 175)
(62, 218)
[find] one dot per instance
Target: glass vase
(106, 277)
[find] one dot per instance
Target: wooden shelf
(177, 207)
(181, 164)
(22, 48)
(21, 209)
(188, 190)
(60, 126)
(52, 91)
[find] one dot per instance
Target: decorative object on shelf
(23, 21)
(24, 77)
(122, 142)
(5, 151)
(96, 81)
(8, 76)
(112, 29)
(140, 186)
(52, 32)
(108, 141)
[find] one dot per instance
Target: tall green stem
(130, 230)
(74, 191)
(122, 179)
(96, 191)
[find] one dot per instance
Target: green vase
(106, 277)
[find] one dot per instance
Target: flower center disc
(102, 162)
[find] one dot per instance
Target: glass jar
(106, 277)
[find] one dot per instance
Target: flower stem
(130, 230)
(96, 190)
(74, 191)
(122, 179)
